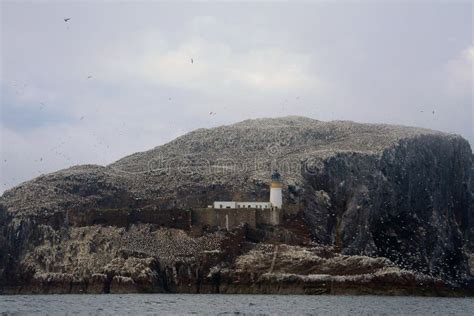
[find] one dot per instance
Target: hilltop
(228, 155)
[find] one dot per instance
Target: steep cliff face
(376, 190)
(410, 204)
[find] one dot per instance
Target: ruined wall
(235, 217)
(269, 216)
(203, 217)
(223, 218)
(124, 217)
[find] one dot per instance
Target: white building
(232, 204)
(225, 204)
(276, 198)
(262, 205)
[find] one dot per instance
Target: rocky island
(367, 209)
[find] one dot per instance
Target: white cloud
(460, 74)
(248, 62)
(216, 67)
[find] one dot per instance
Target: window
(221, 205)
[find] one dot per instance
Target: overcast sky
(118, 78)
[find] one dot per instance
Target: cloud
(459, 79)
(217, 67)
(318, 60)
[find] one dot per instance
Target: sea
(216, 304)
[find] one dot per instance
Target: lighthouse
(276, 196)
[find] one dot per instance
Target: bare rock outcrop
(320, 270)
(371, 190)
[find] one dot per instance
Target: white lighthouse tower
(276, 196)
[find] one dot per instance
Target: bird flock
(170, 246)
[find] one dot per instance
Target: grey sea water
(183, 304)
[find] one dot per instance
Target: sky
(122, 77)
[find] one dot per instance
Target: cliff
(393, 203)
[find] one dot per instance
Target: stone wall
(269, 217)
(231, 218)
(224, 218)
(176, 218)
(203, 217)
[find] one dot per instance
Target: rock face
(368, 191)
(409, 204)
(319, 270)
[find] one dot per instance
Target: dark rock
(369, 190)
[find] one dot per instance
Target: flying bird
(66, 19)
